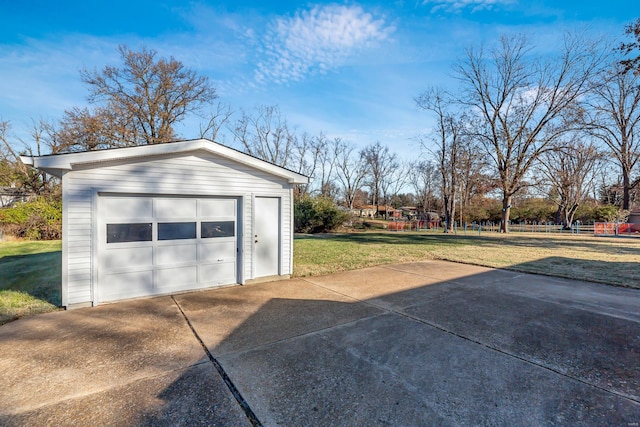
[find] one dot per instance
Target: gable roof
(57, 164)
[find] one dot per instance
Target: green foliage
(584, 213)
(9, 175)
(317, 215)
(494, 211)
(483, 209)
(541, 210)
(39, 219)
(607, 213)
(534, 209)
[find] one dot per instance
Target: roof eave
(57, 164)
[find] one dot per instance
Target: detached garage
(167, 218)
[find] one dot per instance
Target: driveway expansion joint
(515, 356)
(294, 337)
(633, 399)
(251, 416)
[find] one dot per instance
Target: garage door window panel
(130, 232)
(216, 229)
(176, 230)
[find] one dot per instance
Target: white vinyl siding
(286, 232)
(189, 174)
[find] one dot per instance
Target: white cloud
(317, 41)
(458, 5)
(41, 78)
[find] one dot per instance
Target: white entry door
(267, 236)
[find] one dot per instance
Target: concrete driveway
(429, 343)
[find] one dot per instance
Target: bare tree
(266, 135)
(217, 118)
(11, 173)
(613, 116)
(351, 171)
(138, 102)
(423, 177)
(520, 100)
(23, 176)
(306, 154)
(82, 129)
(328, 151)
(448, 137)
(569, 169)
(379, 163)
(473, 178)
(393, 182)
(633, 63)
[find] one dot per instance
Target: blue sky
(349, 69)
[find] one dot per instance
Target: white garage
(168, 218)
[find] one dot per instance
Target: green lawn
(605, 260)
(30, 271)
(30, 274)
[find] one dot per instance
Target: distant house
(364, 211)
(410, 212)
(371, 211)
(11, 195)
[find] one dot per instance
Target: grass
(605, 260)
(30, 278)
(30, 272)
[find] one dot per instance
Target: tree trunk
(449, 213)
(626, 189)
(569, 213)
(559, 217)
(506, 211)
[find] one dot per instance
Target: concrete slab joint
(425, 343)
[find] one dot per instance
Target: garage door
(159, 245)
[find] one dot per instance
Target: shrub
(534, 209)
(39, 219)
(610, 213)
(317, 215)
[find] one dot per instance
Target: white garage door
(158, 245)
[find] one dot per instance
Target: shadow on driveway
(431, 343)
(413, 344)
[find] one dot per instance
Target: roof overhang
(58, 164)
